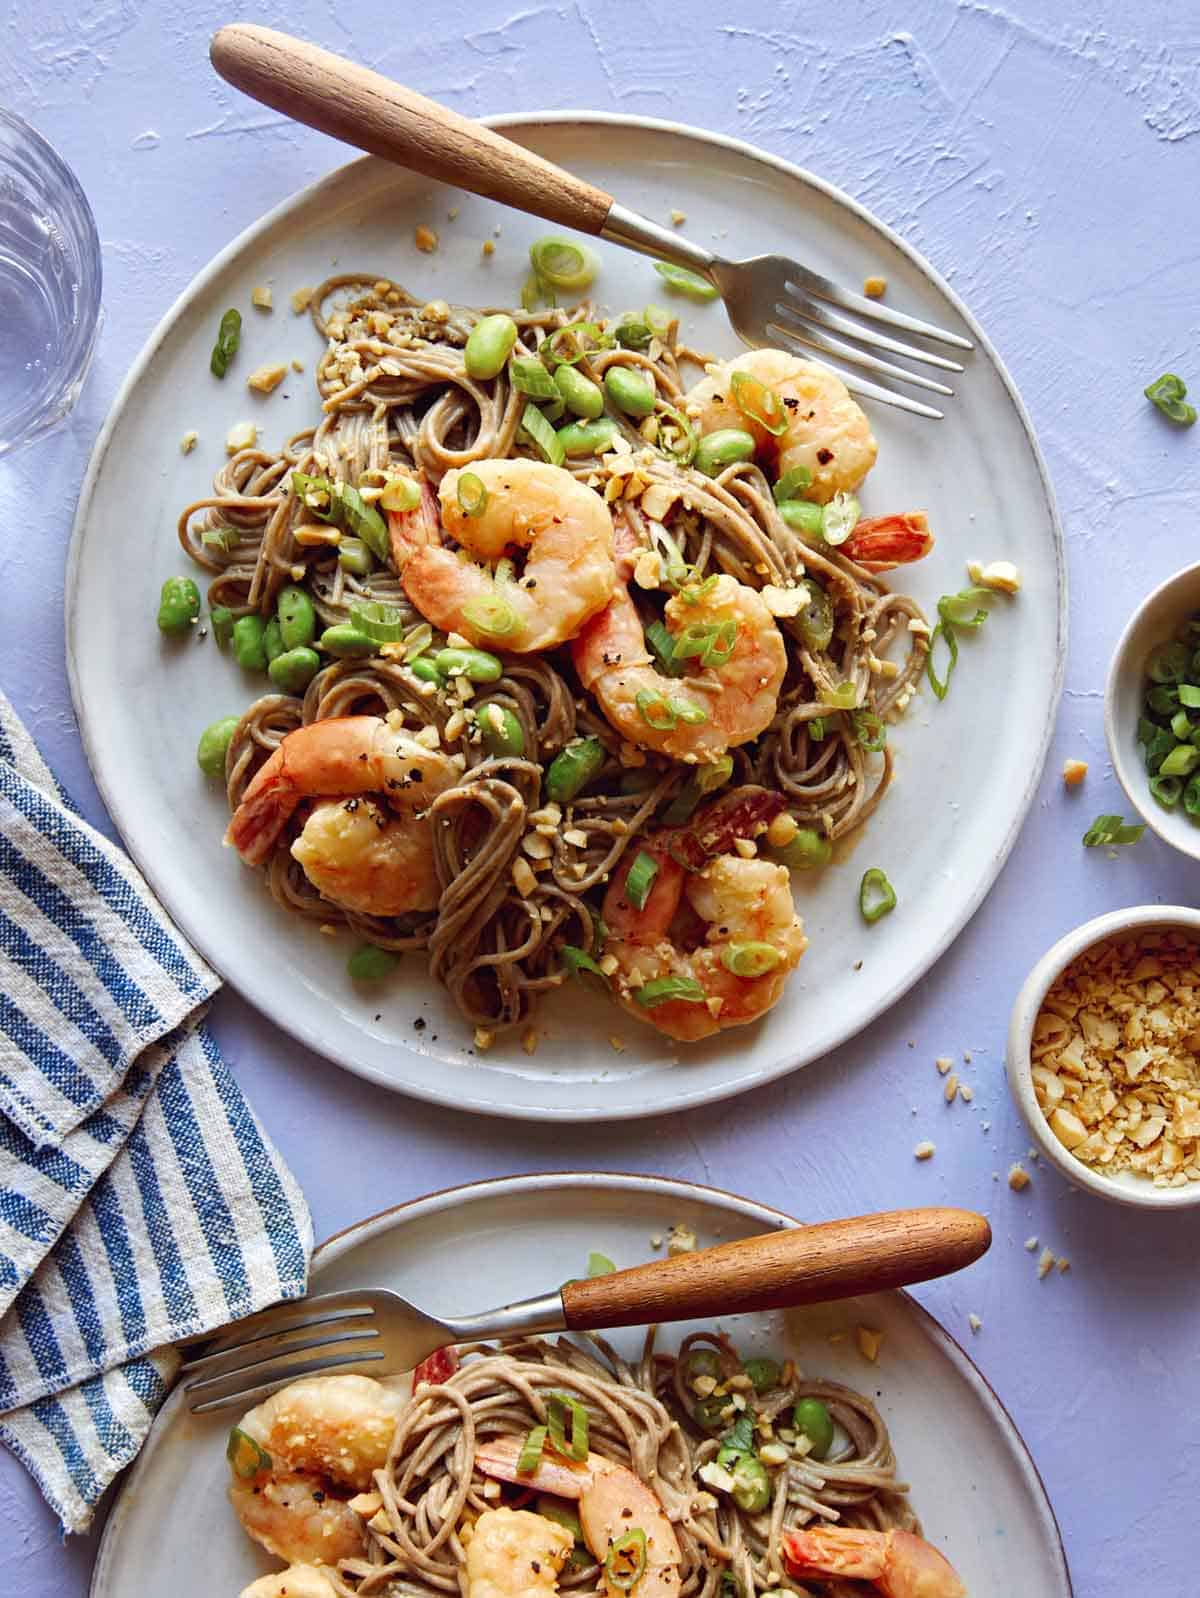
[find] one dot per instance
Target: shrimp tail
(881, 543)
(899, 1563)
(265, 810)
(419, 528)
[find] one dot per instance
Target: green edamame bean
(474, 664)
(489, 345)
(804, 516)
(723, 448)
(248, 648)
(588, 438)
(294, 669)
(425, 669)
(580, 395)
(629, 391)
(501, 731)
(355, 557)
(371, 963)
(346, 642)
(297, 618)
(214, 741)
(178, 606)
(811, 1417)
(222, 625)
(573, 768)
(807, 851)
(763, 1373)
(751, 1485)
(702, 1362)
(273, 639)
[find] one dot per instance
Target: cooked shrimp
(365, 856)
(563, 528)
(612, 1501)
(515, 1554)
(881, 543)
(826, 430)
(297, 1581)
(897, 1563)
(746, 920)
(695, 718)
(316, 1437)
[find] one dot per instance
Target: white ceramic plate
(966, 768)
(972, 1480)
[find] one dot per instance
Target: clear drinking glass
(49, 284)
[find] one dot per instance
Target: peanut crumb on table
(189, 441)
(869, 1342)
(1031, 1244)
(484, 1038)
(260, 296)
(678, 218)
(875, 287)
(925, 1150)
(425, 239)
(529, 1040)
(681, 1240)
(943, 1063)
(974, 1322)
(266, 379)
(1018, 1177)
(1045, 1264)
(950, 1091)
(1074, 771)
(301, 299)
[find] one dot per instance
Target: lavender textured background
(1044, 157)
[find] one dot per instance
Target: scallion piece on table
(1169, 394)
(941, 685)
(876, 896)
(563, 264)
(1111, 830)
(600, 1265)
(964, 609)
(641, 878)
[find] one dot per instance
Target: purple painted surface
(1044, 158)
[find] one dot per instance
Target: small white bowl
(1154, 622)
(1126, 1187)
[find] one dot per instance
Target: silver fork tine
(813, 311)
(860, 385)
(295, 1316)
(224, 1362)
(260, 1369)
(808, 282)
(287, 1372)
(805, 333)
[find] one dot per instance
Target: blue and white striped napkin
(140, 1200)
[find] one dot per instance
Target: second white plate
(966, 768)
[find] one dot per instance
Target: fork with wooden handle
(771, 299)
(375, 1332)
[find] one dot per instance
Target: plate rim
(369, 1227)
(423, 1086)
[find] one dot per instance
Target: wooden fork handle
(803, 1265)
(364, 108)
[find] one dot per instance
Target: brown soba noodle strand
(638, 1417)
(395, 397)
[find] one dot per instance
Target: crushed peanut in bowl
(1115, 1056)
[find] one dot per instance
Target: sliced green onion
(370, 963)
(662, 646)
(1181, 725)
(869, 730)
(656, 710)
(677, 440)
(682, 281)
(530, 1456)
(1169, 393)
(1181, 761)
(815, 621)
(472, 495)
(573, 768)
(632, 333)
(817, 728)
(222, 538)
(843, 697)
(839, 518)
(400, 494)
(600, 1265)
(763, 1373)
(1189, 695)
(529, 376)
(353, 556)
(941, 685)
(384, 624)
(417, 640)
(750, 959)
(760, 403)
(657, 319)
(1111, 830)
(694, 592)
(560, 1406)
(491, 614)
(691, 714)
(625, 1562)
(704, 780)
(641, 878)
(1191, 796)
(245, 1455)
(563, 264)
(229, 336)
(964, 609)
(792, 484)
(669, 990)
(1168, 663)
(1167, 790)
(568, 345)
(535, 293)
(581, 966)
(711, 643)
(876, 896)
(538, 431)
(363, 520)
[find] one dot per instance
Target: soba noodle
(395, 395)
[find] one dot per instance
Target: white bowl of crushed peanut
(1104, 1056)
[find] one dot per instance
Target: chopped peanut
(189, 441)
(869, 1342)
(425, 239)
(242, 435)
(924, 1151)
(266, 379)
(1074, 771)
(875, 287)
(1018, 1178)
(301, 299)
(260, 295)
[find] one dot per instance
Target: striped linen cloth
(140, 1199)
